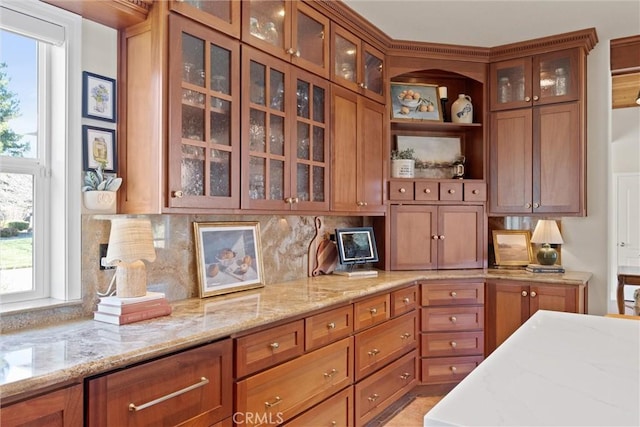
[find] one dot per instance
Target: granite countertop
(39, 358)
(557, 369)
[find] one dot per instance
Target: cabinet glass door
(311, 150)
(511, 84)
(266, 26)
(310, 46)
(223, 15)
(373, 73)
(556, 76)
(345, 58)
(203, 163)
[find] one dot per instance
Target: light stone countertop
(39, 358)
(557, 369)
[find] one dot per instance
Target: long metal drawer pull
(133, 407)
(405, 336)
(373, 352)
(405, 376)
(373, 397)
(276, 402)
(330, 373)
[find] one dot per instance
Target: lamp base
(547, 255)
(131, 279)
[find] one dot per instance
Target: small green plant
(18, 225)
(96, 180)
(406, 154)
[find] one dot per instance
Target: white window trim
(64, 218)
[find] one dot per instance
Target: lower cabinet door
(336, 411)
(194, 385)
(61, 408)
(376, 392)
(440, 370)
(284, 391)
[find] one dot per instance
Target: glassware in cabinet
(223, 15)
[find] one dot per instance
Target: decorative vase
(101, 201)
(402, 168)
(462, 109)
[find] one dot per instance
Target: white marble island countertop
(37, 359)
(558, 369)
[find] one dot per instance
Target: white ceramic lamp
(547, 233)
(130, 242)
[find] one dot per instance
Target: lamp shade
(547, 232)
(130, 240)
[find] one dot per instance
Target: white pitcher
(462, 109)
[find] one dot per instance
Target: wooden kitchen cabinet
(60, 408)
(285, 148)
(357, 153)
(511, 303)
(289, 30)
(194, 385)
(357, 65)
(223, 15)
(337, 411)
(452, 330)
(425, 237)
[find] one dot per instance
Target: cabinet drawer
(441, 344)
(452, 293)
(381, 344)
(451, 191)
(426, 190)
(404, 300)
(448, 369)
(371, 311)
(401, 191)
(377, 392)
(452, 318)
(335, 411)
(289, 389)
(264, 349)
(193, 384)
(332, 325)
(475, 191)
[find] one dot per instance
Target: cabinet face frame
(230, 27)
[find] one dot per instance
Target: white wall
(625, 140)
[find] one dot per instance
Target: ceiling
(490, 23)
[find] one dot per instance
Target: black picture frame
(356, 245)
(98, 97)
(99, 147)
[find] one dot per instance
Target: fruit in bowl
(226, 257)
(409, 98)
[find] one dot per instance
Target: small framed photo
(229, 257)
(356, 245)
(98, 97)
(99, 148)
(412, 102)
(512, 247)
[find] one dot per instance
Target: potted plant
(403, 163)
(100, 190)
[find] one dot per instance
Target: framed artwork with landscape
(229, 257)
(512, 247)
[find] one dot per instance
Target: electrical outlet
(103, 254)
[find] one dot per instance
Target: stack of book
(539, 268)
(121, 311)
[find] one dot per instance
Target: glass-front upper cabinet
(223, 15)
(541, 79)
(285, 146)
(356, 65)
(292, 31)
(204, 111)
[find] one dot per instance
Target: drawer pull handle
(434, 237)
(451, 191)
(134, 408)
(373, 397)
(475, 192)
(427, 190)
(406, 300)
(533, 294)
(402, 191)
(274, 345)
(453, 294)
(405, 336)
(524, 293)
(454, 369)
(331, 325)
(274, 403)
(373, 311)
(453, 319)
(330, 373)
(405, 376)
(453, 344)
(373, 352)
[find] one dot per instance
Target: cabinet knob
(533, 294)
(178, 194)
(475, 192)
(454, 369)
(405, 376)
(331, 325)
(453, 319)
(451, 191)
(402, 190)
(441, 237)
(527, 205)
(434, 237)
(527, 98)
(524, 293)
(453, 344)
(373, 311)
(453, 294)
(427, 190)
(288, 200)
(373, 397)
(536, 97)
(373, 352)
(274, 345)
(295, 199)
(536, 205)
(405, 336)
(406, 300)
(362, 85)
(330, 373)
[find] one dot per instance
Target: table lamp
(130, 242)
(547, 233)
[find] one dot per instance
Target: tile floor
(412, 415)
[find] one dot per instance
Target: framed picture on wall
(412, 101)
(99, 148)
(512, 247)
(98, 97)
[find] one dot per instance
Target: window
(39, 152)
